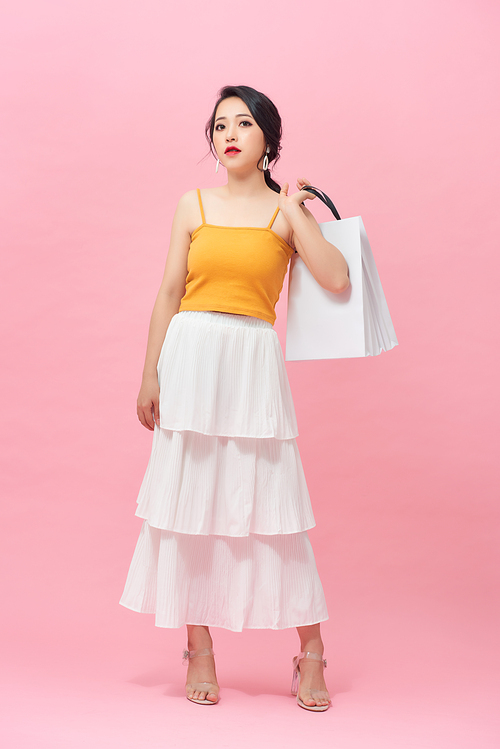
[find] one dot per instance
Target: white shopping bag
(323, 325)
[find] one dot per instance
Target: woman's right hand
(148, 402)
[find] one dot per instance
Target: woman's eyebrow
(236, 115)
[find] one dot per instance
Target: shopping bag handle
(324, 198)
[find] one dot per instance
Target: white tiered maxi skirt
(224, 501)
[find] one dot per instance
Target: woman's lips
(232, 150)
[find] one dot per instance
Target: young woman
(224, 502)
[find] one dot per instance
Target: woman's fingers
(146, 420)
(148, 413)
(145, 415)
(301, 183)
(297, 197)
(148, 408)
(143, 421)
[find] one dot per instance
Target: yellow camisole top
(237, 269)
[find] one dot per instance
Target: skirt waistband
(224, 318)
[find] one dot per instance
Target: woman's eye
(219, 126)
(245, 122)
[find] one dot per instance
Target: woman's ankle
(310, 638)
(313, 646)
(198, 637)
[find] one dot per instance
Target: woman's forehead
(231, 107)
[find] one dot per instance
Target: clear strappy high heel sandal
(296, 680)
(201, 686)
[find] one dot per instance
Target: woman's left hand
(286, 201)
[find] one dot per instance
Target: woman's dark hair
(265, 115)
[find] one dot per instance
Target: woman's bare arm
(323, 259)
(167, 303)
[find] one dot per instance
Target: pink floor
(430, 688)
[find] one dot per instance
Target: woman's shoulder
(187, 198)
(190, 208)
(189, 195)
(191, 198)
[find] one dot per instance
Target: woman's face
(237, 138)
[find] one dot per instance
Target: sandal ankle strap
(187, 654)
(308, 655)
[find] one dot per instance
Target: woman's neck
(249, 185)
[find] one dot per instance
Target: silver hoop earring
(217, 166)
(265, 163)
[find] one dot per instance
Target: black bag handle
(324, 198)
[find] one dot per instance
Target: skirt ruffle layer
(199, 484)
(262, 582)
(231, 374)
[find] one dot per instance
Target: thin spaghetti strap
(274, 217)
(201, 206)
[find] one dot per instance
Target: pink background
(392, 109)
